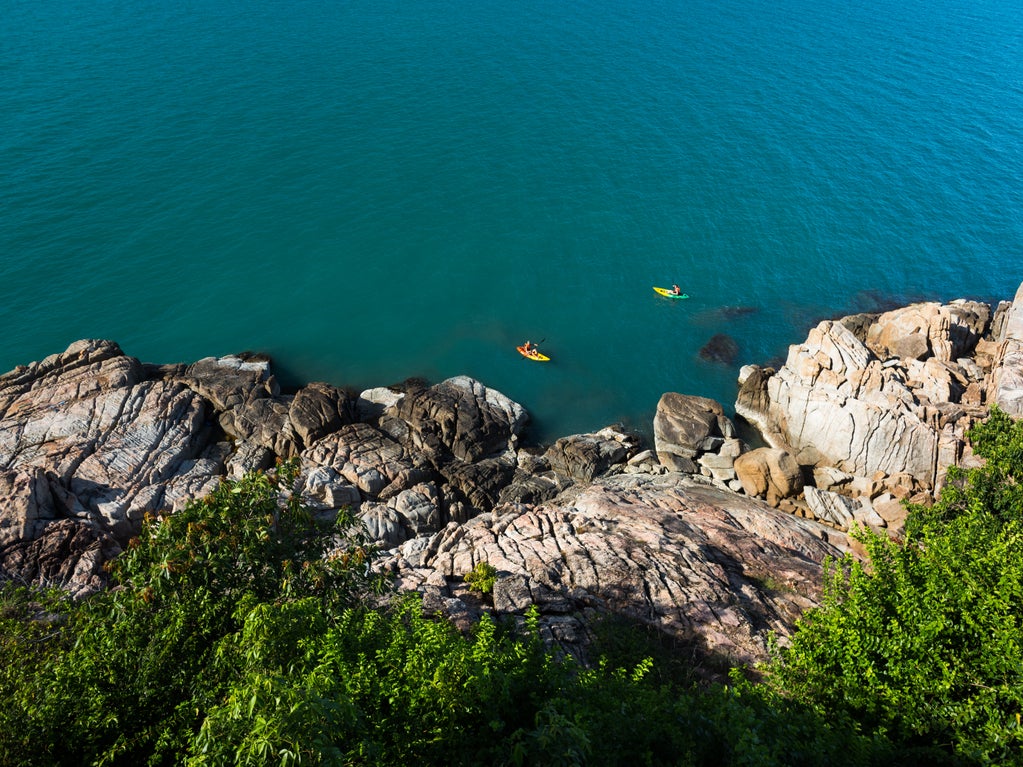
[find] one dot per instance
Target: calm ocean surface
(370, 191)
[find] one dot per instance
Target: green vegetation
(244, 631)
(482, 578)
(131, 674)
(925, 643)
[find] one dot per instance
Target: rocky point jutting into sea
(698, 535)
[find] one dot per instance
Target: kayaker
(676, 290)
(528, 348)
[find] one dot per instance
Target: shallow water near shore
(375, 191)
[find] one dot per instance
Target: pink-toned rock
(700, 563)
(365, 456)
(65, 552)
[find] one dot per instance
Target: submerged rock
(721, 348)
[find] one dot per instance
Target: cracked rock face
(93, 447)
(704, 565)
(91, 440)
(836, 402)
(459, 417)
(366, 457)
(106, 438)
(1007, 383)
(319, 409)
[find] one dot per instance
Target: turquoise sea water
(370, 191)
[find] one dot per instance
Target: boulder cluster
(691, 537)
(870, 411)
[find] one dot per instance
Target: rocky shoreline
(698, 535)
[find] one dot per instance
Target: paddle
(536, 347)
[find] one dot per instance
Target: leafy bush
(482, 578)
(925, 642)
(241, 631)
(133, 671)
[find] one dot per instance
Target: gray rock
(529, 487)
(248, 457)
(683, 424)
(325, 488)
(194, 479)
(585, 456)
(459, 418)
(831, 479)
(419, 507)
(317, 410)
(264, 421)
(733, 448)
(842, 511)
(365, 456)
(712, 444)
(643, 456)
(384, 525)
(716, 461)
(831, 508)
(1007, 378)
(474, 488)
(231, 381)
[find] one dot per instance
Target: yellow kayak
(533, 355)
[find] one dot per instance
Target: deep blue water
(370, 191)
